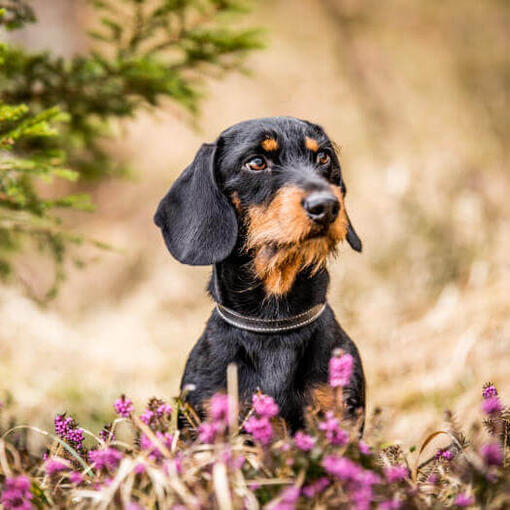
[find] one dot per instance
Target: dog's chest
(275, 367)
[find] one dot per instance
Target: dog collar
(270, 325)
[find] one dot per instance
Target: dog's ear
(352, 238)
(198, 223)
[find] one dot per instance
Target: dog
(265, 206)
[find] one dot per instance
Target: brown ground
(428, 300)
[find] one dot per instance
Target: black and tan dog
(264, 205)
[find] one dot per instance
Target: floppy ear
(352, 238)
(198, 223)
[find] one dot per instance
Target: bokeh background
(416, 94)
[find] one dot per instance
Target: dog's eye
(256, 164)
(323, 158)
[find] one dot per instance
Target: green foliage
(26, 216)
(145, 52)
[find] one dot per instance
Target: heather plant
(245, 458)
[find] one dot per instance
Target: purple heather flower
(259, 428)
(396, 473)
(340, 370)
(490, 391)
(134, 506)
(207, 432)
(334, 433)
(304, 441)
(264, 405)
(492, 405)
(16, 494)
(444, 453)
(492, 454)
(341, 467)
(123, 406)
(106, 434)
(54, 466)
(140, 468)
(63, 425)
(286, 500)
(76, 477)
(76, 436)
(315, 487)
(390, 504)
(146, 444)
(219, 407)
(364, 448)
(433, 478)
(358, 480)
(105, 458)
(164, 409)
(147, 416)
(463, 500)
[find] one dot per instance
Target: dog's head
(269, 187)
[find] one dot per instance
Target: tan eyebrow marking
(269, 144)
(311, 144)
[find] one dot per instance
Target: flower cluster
(123, 407)
(105, 458)
(322, 465)
(67, 429)
(259, 425)
(17, 494)
(340, 369)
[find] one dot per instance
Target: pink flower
(124, 407)
(16, 494)
(490, 391)
(146, 444)
(444, 453)
(492, 454)
(316, 487)
(390, 504)
(207, 432)
(259, 428)
(76, 477)
(140, 468)
(54, 466)
(340, 370)
(358, 481)
(334, 433)
(164, 409)
(304, 441)
(396, 473)
(364, 448)
(147, 416)
(286, 500)
(105, 458)
(219, 407)
(62, 425)
(264, 405)
(341, 467)
(492, 405)
(462, 500)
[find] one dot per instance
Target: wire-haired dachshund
(264, 205)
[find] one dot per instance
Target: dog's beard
(284, 241)
(278, 266)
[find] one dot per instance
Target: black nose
(321, 207)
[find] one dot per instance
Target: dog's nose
(321, 207)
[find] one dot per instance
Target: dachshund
(265, 206)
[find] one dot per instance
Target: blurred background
(416, 94)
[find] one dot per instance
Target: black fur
(200, 227)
